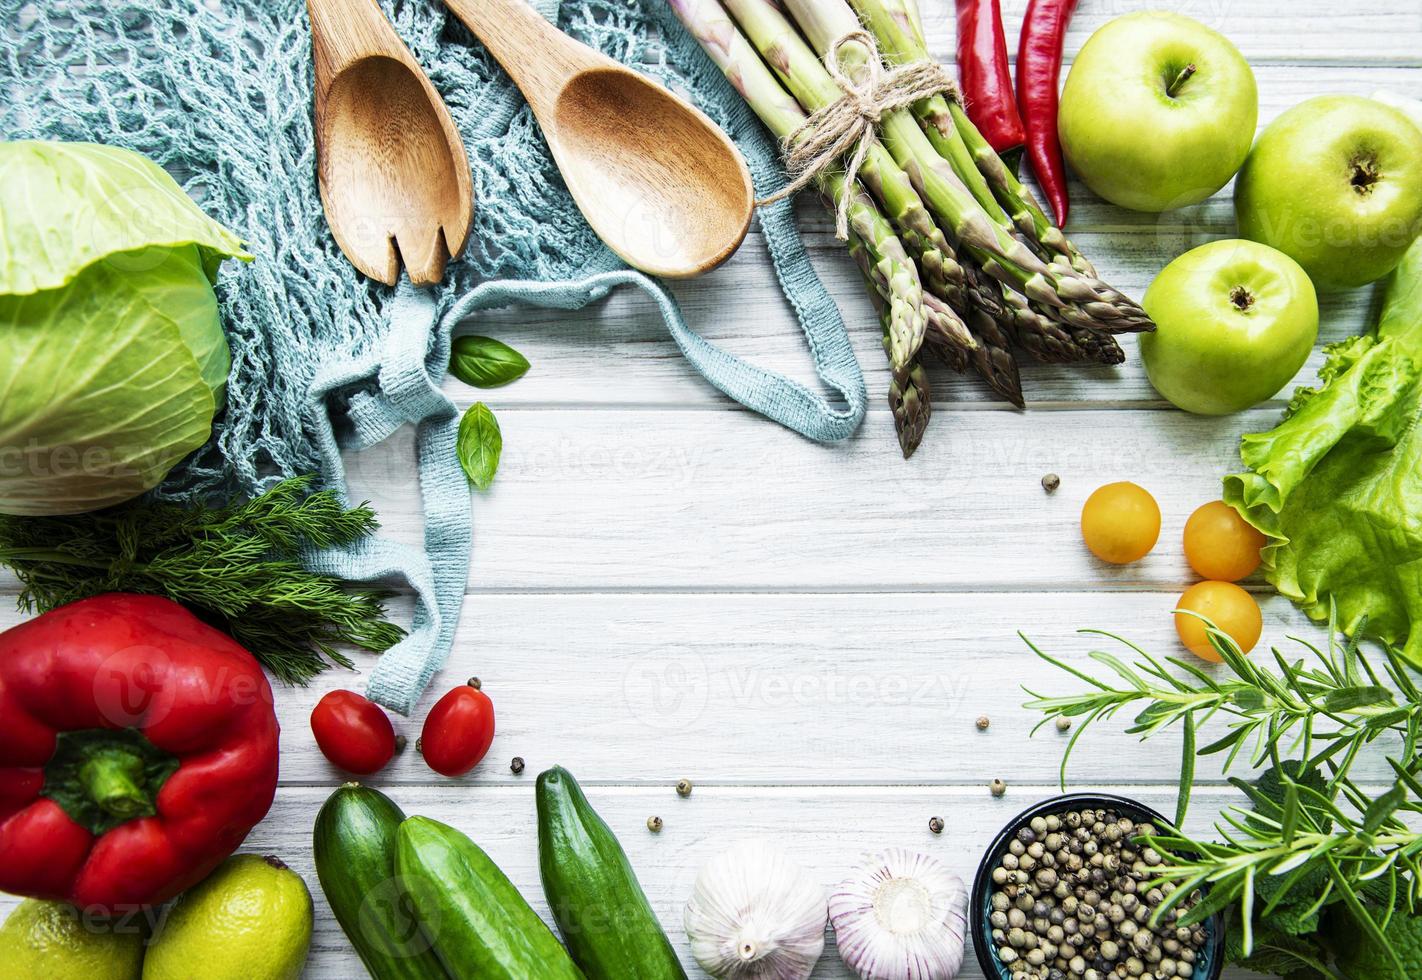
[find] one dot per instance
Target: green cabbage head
(112, 358)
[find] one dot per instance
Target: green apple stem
(1181, 79)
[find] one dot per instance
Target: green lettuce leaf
(1337, 486)
(65, 206)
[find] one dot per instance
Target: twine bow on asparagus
(850, 124)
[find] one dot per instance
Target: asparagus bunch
(892, 274)
(956, 253)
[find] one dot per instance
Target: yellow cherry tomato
(1221, 545)
(1229, 607)
(1120, 522)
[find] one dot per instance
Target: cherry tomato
(458, 730)
(1221, 545)
(1229, 607)
(353, 732)
(1120, 522)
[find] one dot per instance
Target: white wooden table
(665, 585)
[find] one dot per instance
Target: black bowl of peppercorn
(1064, 892)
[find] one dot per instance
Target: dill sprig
(237, 566)
(1311, 837)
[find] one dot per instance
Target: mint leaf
(1271, 786)
(485, 362)
(479, 445)
(1276, 952)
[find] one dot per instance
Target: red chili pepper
(458, 730)
(353, 732)
(1039, 63)
(985, 77)
(138, 746)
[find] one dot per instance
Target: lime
(250, 920)
(55, 941)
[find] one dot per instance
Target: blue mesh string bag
(219, 93)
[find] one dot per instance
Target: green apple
(1336, 182)
(1234, 322)
(1158, 111)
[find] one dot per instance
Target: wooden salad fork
(661, 185)
(393, 171)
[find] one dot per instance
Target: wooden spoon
(393, 172)
(659, 183)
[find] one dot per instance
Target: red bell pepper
(138, 746)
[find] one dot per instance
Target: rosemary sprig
(1311, 837)
(1265, 708)
(237, 566)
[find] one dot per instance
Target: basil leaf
(480, 442)
(485, 362)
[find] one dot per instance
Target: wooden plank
(795, 689)
(662, 500)
(790, 689)
(1370, 32)
(617, 352)
(724, 501)
(826, 831)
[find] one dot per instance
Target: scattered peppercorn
(475, 683)
(1050, 482)
(400, 743)
(420, 746)
(1063, 723)
(516, 766)
(935, 825)
(1073, 897)
(654, 824)
(683, 787)
(997, 787)
(983, 723)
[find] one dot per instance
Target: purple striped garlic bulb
(755, 915)
(901, 915)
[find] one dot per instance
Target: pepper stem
(114, 780)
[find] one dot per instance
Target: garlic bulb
(900, 916)
(754, 915)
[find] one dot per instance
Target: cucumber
(600, 908)
(354, 845)
(480, 924)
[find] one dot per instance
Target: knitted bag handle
(409, 392)
(410, 368)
